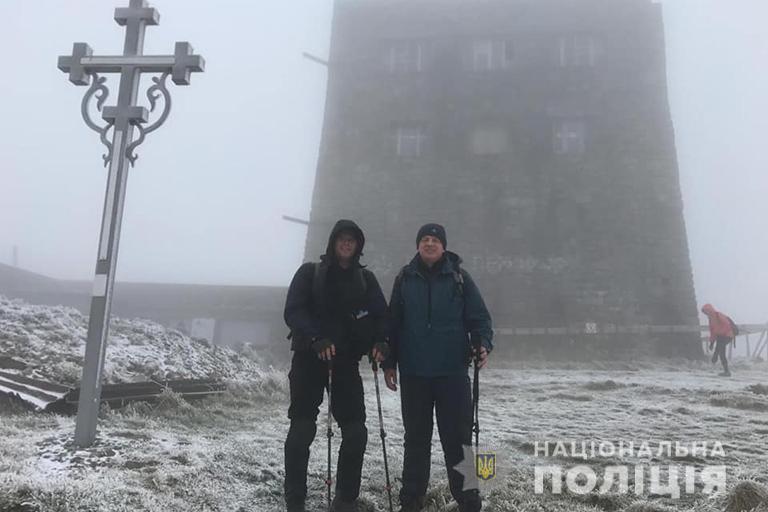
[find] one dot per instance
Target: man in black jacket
(336, 312)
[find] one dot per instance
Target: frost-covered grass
(225, 453)
(51, 342)
(170, 455)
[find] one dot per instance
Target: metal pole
(101, 301)
(315, 59)
(476, 402)
(329, 433)
(123, 119)
(760, 344)
(106, 262)
(382, 433)
(296, 220)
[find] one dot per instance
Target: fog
(205, 200)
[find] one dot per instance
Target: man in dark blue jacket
(337, 313)
(437, 317)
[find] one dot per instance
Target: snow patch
(51, 342)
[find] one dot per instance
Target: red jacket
(719, 323)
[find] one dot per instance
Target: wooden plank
(10, 387)
(40, 384)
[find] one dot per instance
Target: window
(405, 57)
(578, 51)
(490, 54)
(489, 140)
(569, 137)
(410, 141)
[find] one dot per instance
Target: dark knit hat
(432, 229)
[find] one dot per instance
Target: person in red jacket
(721, 332)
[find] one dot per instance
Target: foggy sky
(205, 200)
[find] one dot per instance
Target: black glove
(320, 345)
(382, 347)
(474, 350)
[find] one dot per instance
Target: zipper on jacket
(429, 304)
(429, 299)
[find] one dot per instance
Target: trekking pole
(383, 434)
(329, 433)
(476, 400)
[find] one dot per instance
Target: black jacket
(345, 305)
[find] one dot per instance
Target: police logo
(486, 465)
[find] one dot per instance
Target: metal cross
(122, 120)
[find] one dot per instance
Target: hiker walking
(437, 315)
(722, 331)
(336, 312)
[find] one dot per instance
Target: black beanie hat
(432, 229)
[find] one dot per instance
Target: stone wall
(553, 237)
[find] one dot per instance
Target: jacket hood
(708, 309)
(344, 225)
(452, 257)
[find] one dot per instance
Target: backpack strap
(361, 280)
(458, 279)
(318, 282)
(319, 278)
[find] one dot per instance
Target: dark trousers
(451, 399)
(722, 345)
(308, 381)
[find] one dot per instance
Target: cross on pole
(123, 120)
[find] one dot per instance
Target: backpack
(734, 327)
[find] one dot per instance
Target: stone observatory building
(539, 133)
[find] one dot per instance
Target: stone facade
(538, 132)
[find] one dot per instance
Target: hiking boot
(724, 374)
(472, 502)
(295, 506)
(339, 505)
(412, 505)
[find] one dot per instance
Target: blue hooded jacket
(435, 317)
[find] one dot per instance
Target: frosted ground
(225, 453)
